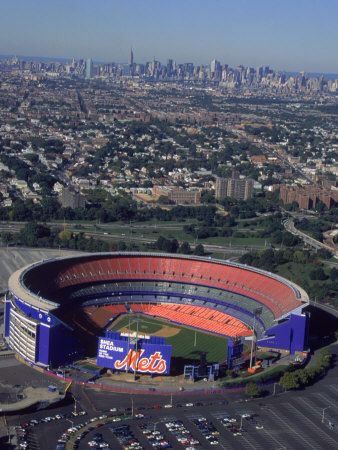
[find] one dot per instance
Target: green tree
(199, 250)
(252, 390)
(65, 235)
(185, 248)
(334, 274)
(289, 381)
(318, 274)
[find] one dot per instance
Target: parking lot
(305, 419)
(287, 421)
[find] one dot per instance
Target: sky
(289, 35)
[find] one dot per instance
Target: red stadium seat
(276, 295)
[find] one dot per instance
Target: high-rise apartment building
(234, 187)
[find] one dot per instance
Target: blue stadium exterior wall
(290, 335)
(55, 343)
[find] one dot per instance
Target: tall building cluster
(214, 73)
(308, 197)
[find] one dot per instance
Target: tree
(121, 246)
(318, 274)
(199, 250)
(32, 232)
(65, 235)
(303, 376)
(289, 381)
(334, 274)
(185, 248)
(252, 390)
(324, 254)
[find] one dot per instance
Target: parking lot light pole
(241, 425)
(323, 414)
(71, 422)
(274, 388)
(252, 341)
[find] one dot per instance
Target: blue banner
(143, 357)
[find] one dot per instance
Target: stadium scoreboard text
(132, 356)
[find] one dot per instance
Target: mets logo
(134, 361)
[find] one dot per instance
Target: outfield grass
(183, 343)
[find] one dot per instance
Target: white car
(168, 406)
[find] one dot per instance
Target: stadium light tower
(257, 312)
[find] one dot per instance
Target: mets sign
(145, 358)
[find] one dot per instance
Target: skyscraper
(131, 62)
(89, 69)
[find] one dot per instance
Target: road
(289, 225)
(102, 233)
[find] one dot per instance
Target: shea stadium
(61, 310)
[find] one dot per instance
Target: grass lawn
(183, 345)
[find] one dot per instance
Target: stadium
(58, 310)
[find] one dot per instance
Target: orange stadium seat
(194, 316)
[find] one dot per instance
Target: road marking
(311, 424)
(281, 418)
(253, 445)
(316, 409)
(333, 387)
(326, 400)
(280, 445)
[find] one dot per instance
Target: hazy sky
(286, 34)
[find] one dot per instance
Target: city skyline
(289, 37)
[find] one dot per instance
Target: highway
(289, 225)
(101, 232)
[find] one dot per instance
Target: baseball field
(187, 344)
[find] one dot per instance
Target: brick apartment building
(308, 197)
(178, 195)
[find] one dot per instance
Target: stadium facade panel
(46, 319)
